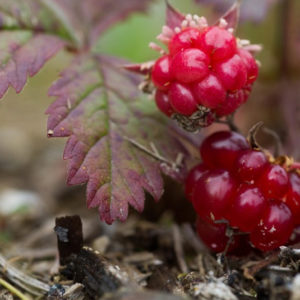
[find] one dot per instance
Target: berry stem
(251, 137)
(253, 141)
(229, 121)
(277, 140)
(229, 233)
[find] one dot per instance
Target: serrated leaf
(32, 31)
(36, 16)
(29, 36)
(112, 129)
(23, 54)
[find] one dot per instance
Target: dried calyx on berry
(246, 190)
(206, 72)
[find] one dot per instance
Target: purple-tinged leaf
(118, 142)
(23, 54)
(37, 16)
(173, 17)
(30, 31)
(29, 36)
(232, 16)
(251, 10)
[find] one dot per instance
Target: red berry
(188, 38)
(214, 236)
(194, 175)
(232, 102)
(251, 65)
(292, 199)
(189, 65)
(249, 165)
(213, 194)
(232, 73)
(161, 73)
(208, 64)
(220, 149)
(219, 43)
(247, 208)
(274, 228)
(273, 182)
(209, 92)
(163, 103)
(182, 99)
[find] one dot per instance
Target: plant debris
(143, 260)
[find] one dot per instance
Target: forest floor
(44, 258)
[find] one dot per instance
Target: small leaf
(114, 134)
(173, 17)
(232, 16)
(23, 54)
(29, 36)
(35, 15)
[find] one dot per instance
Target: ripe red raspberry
(273, 182)
(232, 102)
(213, 193)
(189, 65)
(274, 228)
(249, 165)
(247, 207)
(163, 103)
(250, 64)
(187, 38)
(232, 73)
(182, 99)
(214, 236)
(194, 175)
(219, 43)
(206, 64)
(220, 149)
(161, 75)
(209, 92)
(245, 188)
